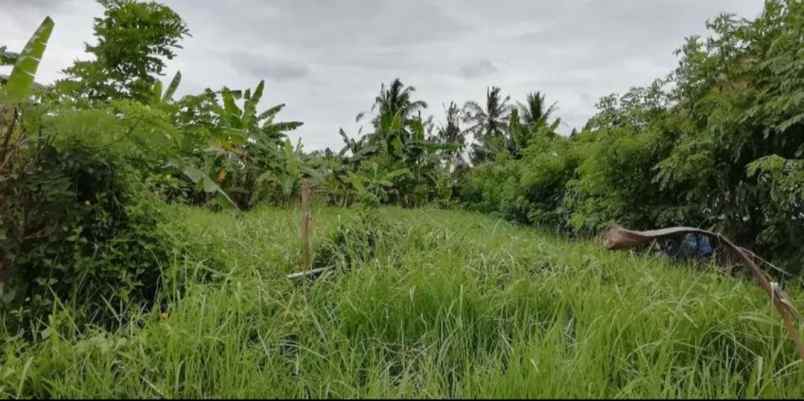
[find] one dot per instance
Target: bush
(717, 144)
(613, 182)
(77, 227)
(494, 187)
(548, 165)
(528, 190)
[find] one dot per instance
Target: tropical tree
(18, 89)
(451, 134)
(529, 120)
(396, 100)
(400, 149)
(395, 111)
(488, 124)
(134, 40)
(246, 144)
(535, 112)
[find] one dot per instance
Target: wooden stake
(307, 218)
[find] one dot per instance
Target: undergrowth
(438, 304)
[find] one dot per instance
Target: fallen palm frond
(617, 237)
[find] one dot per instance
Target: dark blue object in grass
(696, 245)
(691, 246)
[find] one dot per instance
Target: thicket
(86, 162)
(716, 144)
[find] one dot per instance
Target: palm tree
(395, 100)
(397, 114)
(452, 136)
(534, 114)
(529, 120)
(488, 125)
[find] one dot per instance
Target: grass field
(425, 303)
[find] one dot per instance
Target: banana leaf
(19, 85)
(197, 176)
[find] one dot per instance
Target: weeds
(487, 310)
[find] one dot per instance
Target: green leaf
(171, 90)
(156, 92)
(397, 173)
(270, 113)
(197, 176)
(18, 87)
(250, 108)
(785, 125)
(286, 126)
(229, 106)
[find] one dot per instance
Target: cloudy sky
(327, 59)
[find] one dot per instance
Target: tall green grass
(448, 304)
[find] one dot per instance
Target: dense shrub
(495, 188)
(78, 227)
(527, 190)
(548, 166)
(717, 144)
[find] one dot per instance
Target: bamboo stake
(306, 199)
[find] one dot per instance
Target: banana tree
(18, 88)
(373, 184)
(15, 90)
(280, 179)
(164, 98)
(246, 144)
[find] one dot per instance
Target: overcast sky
(327, 59)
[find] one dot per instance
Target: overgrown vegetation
(140, 256)
(460, 305)
(715, 144)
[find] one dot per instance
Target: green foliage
(716, 144)
(134, 39)
(611, 185)
(84, 238)
(460, 305)
(77, 229)
(452, 137)
(356, 241)
(248, 152)
(488, 125)
(782, 183)
(19, 85)
(741, 93)
(527, 190)
(534, 122)
(494, 188)
(399, 162)
(15, 91)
